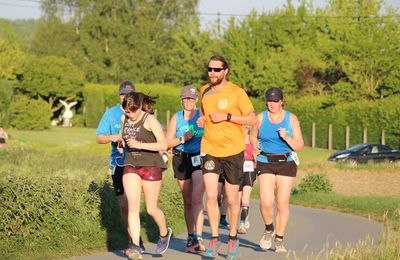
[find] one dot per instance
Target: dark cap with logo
(126, 87)
(189, 91)
(274, 94)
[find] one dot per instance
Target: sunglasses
(215, 69)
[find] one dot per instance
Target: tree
(11, 60)
(51, 78)
(364, 43)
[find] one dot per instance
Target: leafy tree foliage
(51, 78)
(11, 60)
(29, 114)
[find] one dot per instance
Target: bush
(6, 92)
(94, 107)
(315, 182)
(29, 114)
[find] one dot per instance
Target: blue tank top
(182, 126)
(269, 139)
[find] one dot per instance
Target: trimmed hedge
(376, 116)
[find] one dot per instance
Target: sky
(24, 9)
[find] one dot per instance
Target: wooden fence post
(383, 137)
(330, 137)
(313, 135)
(347, 137)
(365, 138)
(168, 118)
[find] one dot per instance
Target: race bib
(295, 158)
(196, 161)
(112, 170)
(248, 166)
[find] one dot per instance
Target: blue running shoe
(233, 249)
(213, 248)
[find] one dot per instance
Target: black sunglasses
(215, 69)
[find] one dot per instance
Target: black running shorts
(231, 167)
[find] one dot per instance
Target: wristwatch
(181, 139)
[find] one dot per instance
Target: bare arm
(254, 136)
(172, 141)
(153, 125)
(249, 119)
(296, 141)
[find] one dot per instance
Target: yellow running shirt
(225, 138)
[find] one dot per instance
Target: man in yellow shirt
(225, 108)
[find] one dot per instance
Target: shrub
(29, 114)
(94, 107)
(315, 182)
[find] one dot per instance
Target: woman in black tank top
(143, 140)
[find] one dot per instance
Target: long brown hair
(136, 100)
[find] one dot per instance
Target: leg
(133, 188)
(284, 187)
(232, 197)
(211, 187)
(186, 189)
(151, 191)
(267, 197)
(197, 200)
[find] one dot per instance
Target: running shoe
(134, 252)
(163, 242)
(233, 249)
(266, 240)
(279, 247)
(242, 228)
(213, 248)
(200, 245)
(191, 244)
(223, 222)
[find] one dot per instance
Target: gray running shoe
(134, 252)
(266, 240)
(279, 247)
(163, 242)
(247, 222)
(242, 228)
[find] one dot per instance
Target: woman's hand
(132, 143)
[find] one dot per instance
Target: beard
(216, 81)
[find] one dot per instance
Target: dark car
(363, 153)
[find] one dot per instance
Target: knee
(266, 204)
(152, 211)
(282, 206)
(232, 202)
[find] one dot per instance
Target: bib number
(295, 158)
(196, 161)
(248, 166)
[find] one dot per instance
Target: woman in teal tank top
(276, 137)
(184, 137)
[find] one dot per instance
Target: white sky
(23, 9)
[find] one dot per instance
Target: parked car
(363, 153)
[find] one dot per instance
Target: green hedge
(376, 116)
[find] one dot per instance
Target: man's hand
(218, 117)
(116, 138)
(200, 121)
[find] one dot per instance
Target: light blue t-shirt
(182, 126)
(269, 139)
(110, 124)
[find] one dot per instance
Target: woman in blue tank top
(276, 136)
(184, 136)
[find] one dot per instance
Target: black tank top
(138, 157)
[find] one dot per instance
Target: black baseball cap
(274, 94)
(126, 87)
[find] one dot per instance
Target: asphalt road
(310, 234)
